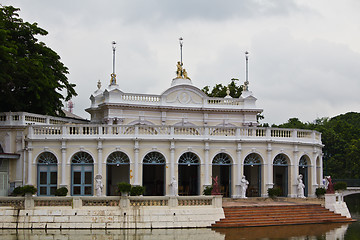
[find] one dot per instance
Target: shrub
(207, 190)
(18, 191)
(61, 191)
(124, 187)
(320, 192)
(137, 190)
(340, 186)
(274, 192)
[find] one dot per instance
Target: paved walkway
(230, 202)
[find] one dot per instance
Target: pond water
(296, 232)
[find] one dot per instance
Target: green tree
(341, 138)
(32, 76)
(220, 90)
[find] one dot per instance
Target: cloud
(305, 79)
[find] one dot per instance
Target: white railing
(167, 132)
(25, 118)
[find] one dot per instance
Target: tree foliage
(341, 137)
(219, 90)
(31, 74)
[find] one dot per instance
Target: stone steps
(251, 216)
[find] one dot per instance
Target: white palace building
(150, 139)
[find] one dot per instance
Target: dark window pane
(52, 190)
(43, 191)
(43, 177)
(88, 177)
(88, 190)
(77, 177)
(76, 191)
(53, 178)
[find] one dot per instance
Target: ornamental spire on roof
(181, 72)
(246, 83)
(113, 75)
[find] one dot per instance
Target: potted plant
(320, 192)
(137, 190)
(340, 186)
(207, 190)
(124, 188)
(29, 190)
(274, 192)
(61, 191)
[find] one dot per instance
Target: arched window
(154, 174)
(221, 159)
(82, 168)
(117, 170)
(189, 158)
(280, 160)
(303, 161)
(118, 158)
(154, 158)
(47, 174)
(252, 159)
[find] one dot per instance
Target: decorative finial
(227, 91)
(180, 72)
(113, 75)
(99, 84)
(181, 44)
(246, 83)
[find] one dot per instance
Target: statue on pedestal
(174, 187)
(98, 185)
(179, 71)
(243, 187)
(300, 187)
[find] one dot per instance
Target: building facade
(150, 140)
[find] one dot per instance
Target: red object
(330, 188)
(215, 190)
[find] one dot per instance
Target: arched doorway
(221, 167)
(82, 174)
(303, 170)
(252, 173)
(117, 170)
(154, 174)
(280, 174)
(189, 168)
(46, 174)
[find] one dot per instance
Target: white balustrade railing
(201, 132)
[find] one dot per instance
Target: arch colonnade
(154, 168)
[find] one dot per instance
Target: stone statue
(98, 185)
(330, 187)
(215, 190)
(179, 71)
(243, 187)
(174, 187)
(300, 187)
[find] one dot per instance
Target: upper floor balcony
(166, 132)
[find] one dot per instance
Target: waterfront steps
(252, 216)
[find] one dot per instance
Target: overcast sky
(304, 54)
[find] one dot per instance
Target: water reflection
(299, 232)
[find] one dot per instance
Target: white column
(136, 163)
(295, 173)
(29, 151)
(320, 177)
(19, 163)
(269, 183)
(239, 171)
(313, 185)
(63, 164)
(207, 174)
(172, 160)
(100, 159)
